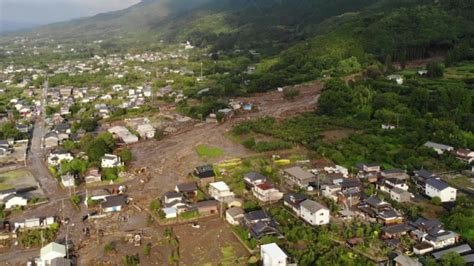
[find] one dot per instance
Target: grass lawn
(461, 181)
(209, 152)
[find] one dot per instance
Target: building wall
(318, 218)
(448, 194)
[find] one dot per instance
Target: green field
(209, 152)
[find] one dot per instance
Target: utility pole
(67, 243)
(201, 70)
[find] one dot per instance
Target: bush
(436, 201)
(76, 199)
(109, 247)
(155, 205)
(126, 155)
(290, 94)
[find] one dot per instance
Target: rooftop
(436, 183)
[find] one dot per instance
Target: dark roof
(256, 215)
(112, 201)
(61, 262)
(51, 134)
(436, 183)
(187, 187)
(348, 183)
(424, 173)
(393, 171)
(204, 171)
(207, 203)
(261, 228)
(255, 176)
(426, 225)
(375, 202)
(397, 228)
(294, 199)
(172, 194)
(388, 214)
(8, 191)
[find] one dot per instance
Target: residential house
(293, 201)
(420, 178)
(50, 252)
(173, 203)
(6, 192)
(397, 78)
(387, 184)
(234, 215)
(441, 238)
(14, 200)
(396, 230)
(314, 213)
(298, 176)
(207, 207)
(205, 174)
(50, 140)
(190, 190)
(272, 255)
(365, 170)
(59, 155)
(265, 192)
(437, 188)
(400, 195)
(465, 155)
(111, 161)
(114, 203)
(68, 180)
(439, 148)
(92, 176)
(253, 178)
(220, 191)
(259, 224)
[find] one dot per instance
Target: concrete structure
(124, 134)
(272, 255)
(299, 176)
(68, 180)
(266, 192)
(234, 215)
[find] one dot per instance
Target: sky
(37, 12)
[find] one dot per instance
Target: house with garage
(314, 213)
(299, 177)
(437, 188)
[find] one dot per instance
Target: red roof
(265, 186)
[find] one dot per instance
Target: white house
(14, 201)
(124, 134)
(146, 131)
(437, 188)
(220, 191)
(266, 192)
(56, 157)
(314, 213)
(442, 239)
(52, 251)
(68, 180)
(114, 203)
(110, 161)
(272, 255)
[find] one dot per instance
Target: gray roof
(256, 215)
(299, 173)
(235, 211)
(424, 173)
(438, 184)
(312, 206)
(458, 249)
(435, 145)
(406, 261)
(255, 176)
(112, 201)
(187, 187)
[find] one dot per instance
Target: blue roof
(436, 183)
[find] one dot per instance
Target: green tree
(436, 201)
(435, 69)
(452, 259)
(126, 155)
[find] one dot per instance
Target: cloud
(47, 11)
